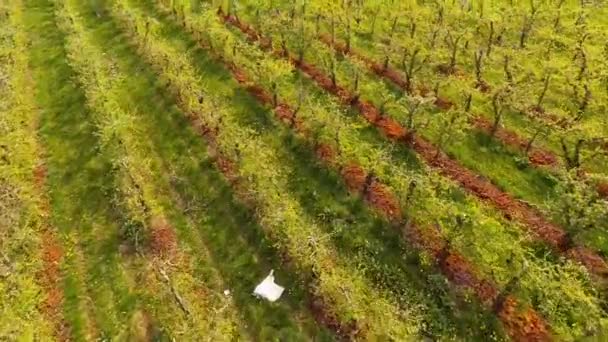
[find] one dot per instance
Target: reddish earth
(354, 176)
(384, 201)
(345, 332)
(52, 256)
(540, 114)
(163, 241)
(483, 86)
(480, 187)
(524, 325)
(603, 189)
(325, 153)
(452, 264)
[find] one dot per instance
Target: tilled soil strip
(512, 208)
(52, 256)
(526, 325)
(538, 157)
(52, 252)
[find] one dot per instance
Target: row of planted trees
(462, 42)
(580, 141)
(271, 75)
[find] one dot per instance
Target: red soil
(345, 332)
(163, 242)
(522, 326)
(390, 127)
(382, 199)
(52, 256)
(354, 177)
(602, 189)
(443, 103)
(325, 153)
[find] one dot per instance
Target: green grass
(80, 179)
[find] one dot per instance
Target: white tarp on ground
(268, 289)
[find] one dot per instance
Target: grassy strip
(79, 177)
(28, 293)
(144, 196)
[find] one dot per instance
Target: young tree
(413, 58)
(414, 106)
(579, 207)
(528, 22)
(266, 72)
(581, 142)
(500, 101)
(453, 125)
(453, 43)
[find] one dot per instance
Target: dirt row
(520, 325)
(511, 208)
(50, 277)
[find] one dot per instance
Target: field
(410, 170)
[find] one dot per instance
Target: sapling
(452, 124)
(467, 102)
(387, 45)
(539, 131)
(300, 100)
(453, 44)
(478, 68)
(374, 19)
(556, 22)
(507, 69)
(413, 106)
(490, 40)
(528, 21)
(348, 32)
(541, 96)
(411, 188)
(499, 100)
(434, 34)
(581, 56)
(410, 66)
(579, 207)
(369, 180)
(582, 97)
(580, 145)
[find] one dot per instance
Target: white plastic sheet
(268, 290)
